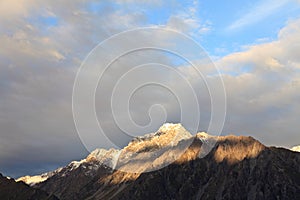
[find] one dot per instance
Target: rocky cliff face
(237, 167)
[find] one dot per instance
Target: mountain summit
(179, 165)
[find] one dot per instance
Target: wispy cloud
(257, 13)
(188, 21)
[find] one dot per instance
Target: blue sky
(254, 43)
(228, 26)
(231, 25)
(260, 24)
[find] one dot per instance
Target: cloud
(38, 65)
(262, 84)
(257, 13)
(277, 56)
(14, 8)
(187, 21)
(147, 2)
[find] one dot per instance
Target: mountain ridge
(211, 167)
(10, 189)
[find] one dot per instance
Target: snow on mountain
(151, 151)
(32, 180)
(296, 148)
(108, 158)
(104, 157)
(167, 135)
(155, 150)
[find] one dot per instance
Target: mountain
(172, 164)
(296, 148)
(10, 189)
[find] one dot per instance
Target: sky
(254, 44)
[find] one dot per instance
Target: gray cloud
(38, 67)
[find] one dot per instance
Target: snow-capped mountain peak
(154, 146)
(296, 148)
(167, 134)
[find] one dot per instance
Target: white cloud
(263, 99)
(187, 21)
(257, 13)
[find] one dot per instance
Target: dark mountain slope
(11, 190)
(273, 174)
